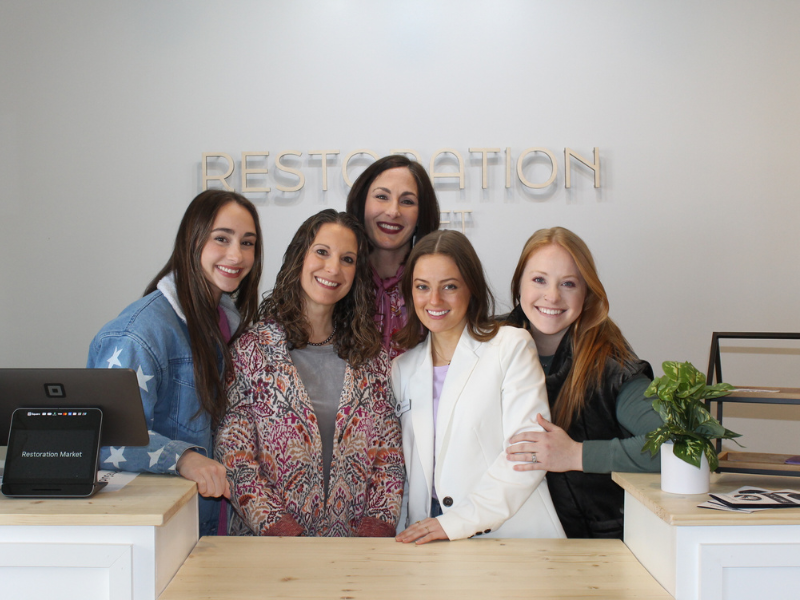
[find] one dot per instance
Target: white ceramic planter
(679, 477)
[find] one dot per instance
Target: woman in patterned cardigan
(310, 440)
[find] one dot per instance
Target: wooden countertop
(147, 500)
(370, 568)
(677, 509)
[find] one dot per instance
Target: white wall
(105, 109)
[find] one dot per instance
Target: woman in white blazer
(463, 389)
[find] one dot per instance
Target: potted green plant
(688, 454)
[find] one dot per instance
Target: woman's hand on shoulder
(552, 448)
(422, 532)
(208, 474)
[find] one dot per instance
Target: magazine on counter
(754, 498)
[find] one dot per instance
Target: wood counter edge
(699, 517)
(186, 497)
(96, 514)
(622, 481)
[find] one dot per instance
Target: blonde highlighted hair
(595, 338)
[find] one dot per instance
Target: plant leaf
(679, 402)
(661, 408)
(655, 438)
(670, 369)
(693, 392)
(652, 389)
(718, 390)
(711, 430)
(666, 390)
(689, 451)
(711, 456)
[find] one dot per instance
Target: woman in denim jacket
(176, 339)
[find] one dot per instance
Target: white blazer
(493, 390)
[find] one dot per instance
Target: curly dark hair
(357, 339)
(455, 245)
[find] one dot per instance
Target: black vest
(589, 505)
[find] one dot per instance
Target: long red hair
(595, 337)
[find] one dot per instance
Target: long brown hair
(428, 215)
(197, 300)
(456, 246)
(357, 339)
(595, 337)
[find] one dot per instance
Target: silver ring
(533, 457)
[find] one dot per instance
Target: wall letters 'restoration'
(220, 167)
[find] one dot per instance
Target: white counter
(117, 545)
(697, 553)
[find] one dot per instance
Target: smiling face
(329, 267)
(441, 298)
(552, 292)
(229, 252)
(391, 210)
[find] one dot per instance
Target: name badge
(403, 406)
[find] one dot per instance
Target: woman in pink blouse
(394, 200)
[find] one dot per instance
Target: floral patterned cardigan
(270, 445)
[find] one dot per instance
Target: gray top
(322, 373)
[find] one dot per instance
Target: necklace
(442, 358)
(325, 341)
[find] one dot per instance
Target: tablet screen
(52, 451)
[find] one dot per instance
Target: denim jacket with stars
(151, 337)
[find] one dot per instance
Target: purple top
(439, 375)
(224, 326)
(390, 309)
